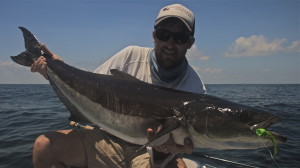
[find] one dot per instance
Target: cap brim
(166, 17)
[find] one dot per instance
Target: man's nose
(171, 41)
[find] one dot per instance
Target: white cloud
(208, 70)
(11, 72)
(213, 70)
(294, 47)
(10, 67)
(195, 54)
(255, 46)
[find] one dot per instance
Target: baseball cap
(179, 11)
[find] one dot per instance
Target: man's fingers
(46, 50)
(150, 134)
(43, 70)
(170, 146)
(40, 66)
(175, 148)
(40, 61)
(33, 68)
(44, 65)
(159, 128)
(186, 148)
(49, 53)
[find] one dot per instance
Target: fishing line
(269, 135)
(271, 155)
(222, 160)
(259, 132)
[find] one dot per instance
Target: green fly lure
(268, 134)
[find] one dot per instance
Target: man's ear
(153, 36)
(190, 42)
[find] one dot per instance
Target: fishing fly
(268, 134)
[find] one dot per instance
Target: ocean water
(27, 111)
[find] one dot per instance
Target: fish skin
(125, 107)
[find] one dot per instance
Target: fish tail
(33, 49)
(25, 59)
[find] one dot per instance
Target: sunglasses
(178, 37)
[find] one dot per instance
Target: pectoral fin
(169, 125)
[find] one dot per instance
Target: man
(164, 65)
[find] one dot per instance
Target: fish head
(227, 125)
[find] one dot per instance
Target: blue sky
(237, 41)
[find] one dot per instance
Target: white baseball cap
(179, 11)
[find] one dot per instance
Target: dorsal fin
(123, 75)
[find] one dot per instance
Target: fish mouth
(267, 123)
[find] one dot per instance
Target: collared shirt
(135, 61)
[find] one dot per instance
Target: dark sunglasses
(178, 37)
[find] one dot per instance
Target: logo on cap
(165, 9)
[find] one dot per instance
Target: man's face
(169, 53)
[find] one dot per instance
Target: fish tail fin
(33, 49)
(25, 59)
(32, 44)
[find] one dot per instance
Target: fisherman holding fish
(164, 65)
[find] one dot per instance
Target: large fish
(125, 107)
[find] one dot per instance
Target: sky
(237, 41)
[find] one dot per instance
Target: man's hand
(40, 65)
(170, 146)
